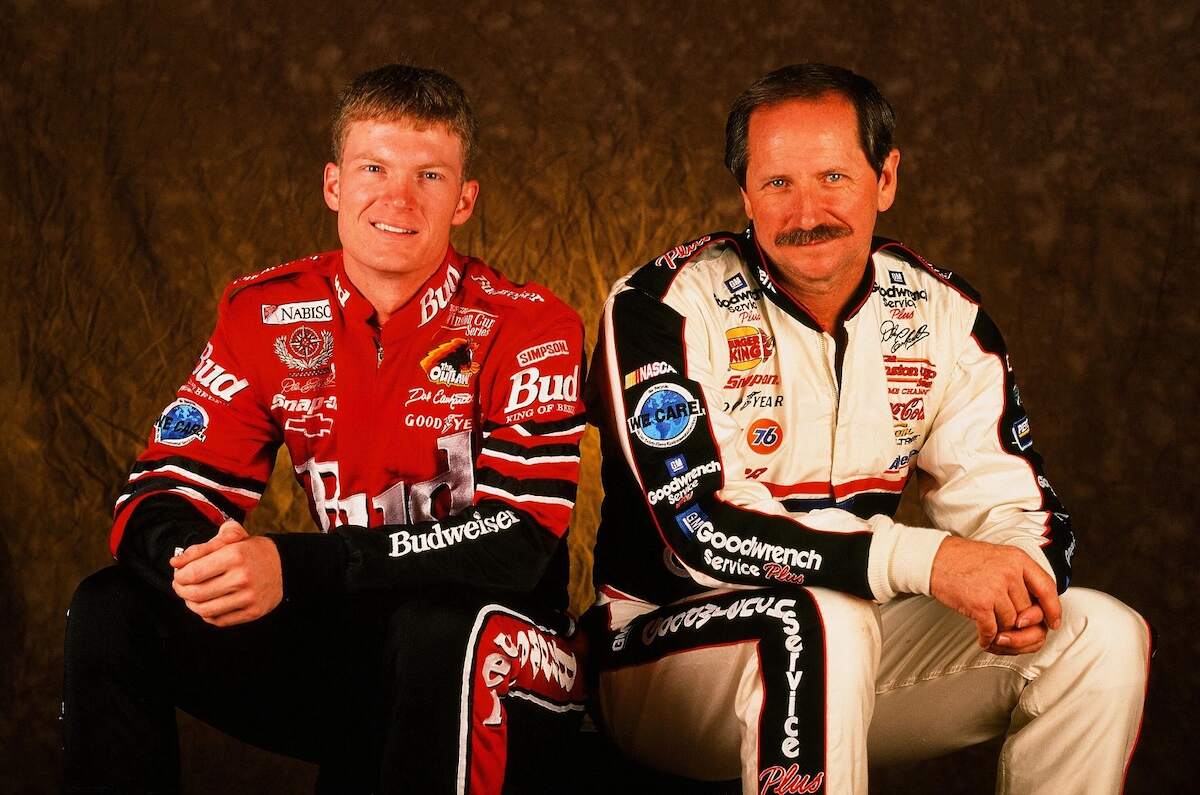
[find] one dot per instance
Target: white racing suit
(745, 448)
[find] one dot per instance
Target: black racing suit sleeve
(665, 410)
(524, 479)
(162, 524)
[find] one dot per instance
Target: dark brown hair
(876, 119)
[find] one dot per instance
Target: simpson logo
(748, 347)
(691, 520)
(1021, 435)
(665, 415)
(305, 350)
(439, 537)
(539, 353)
(304, 311)
(472, 322)
(764, 436)
(181, 423)
(648, 371)
(676, 464)
(684, 251)
(680, 488)
(216, 379)
(735, 282)
(450, 363)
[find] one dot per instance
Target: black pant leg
(486, 694)
(133, 654)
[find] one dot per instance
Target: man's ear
(467, 196)
(331, 186)
(888, 177)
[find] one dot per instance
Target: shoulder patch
(272, 273)
(949, 278)
(656, 276)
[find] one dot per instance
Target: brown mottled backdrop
(151, 151)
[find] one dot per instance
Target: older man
(764, 397)
(431, 410)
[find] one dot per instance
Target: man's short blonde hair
(397, 91)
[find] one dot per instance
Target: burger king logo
(748, 347)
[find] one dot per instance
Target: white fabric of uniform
(1071, 710)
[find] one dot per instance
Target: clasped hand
(1011, 599)
(231, 579)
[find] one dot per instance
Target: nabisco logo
(299, 312)
(215, 378)
(437, 298)
(530, 385)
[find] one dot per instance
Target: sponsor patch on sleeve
(181, 423)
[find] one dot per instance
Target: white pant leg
(1071, 710)
(697, 712)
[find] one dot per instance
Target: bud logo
(764, 436)
(665, 415)
(450, 363)
(542, 352)
(311, 311)
(912, 410)
(691, 520)
(181, 422)
(748, 347)
(680, 487)
(1021, 435)
(529, 385)
(436, 298)
(676, 465)
(215, 378)
(680, 252)
(648, 371)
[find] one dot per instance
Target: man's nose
(805, 208)
(399, 193)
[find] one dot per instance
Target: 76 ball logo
(764, 436)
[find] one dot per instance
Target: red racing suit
(440, 450)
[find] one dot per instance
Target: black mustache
(804, 237)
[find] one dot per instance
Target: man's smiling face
(398, 190)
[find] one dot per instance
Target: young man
(431, 410)
(764, 398)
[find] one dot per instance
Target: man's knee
(1109, 641)
(105, 615)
